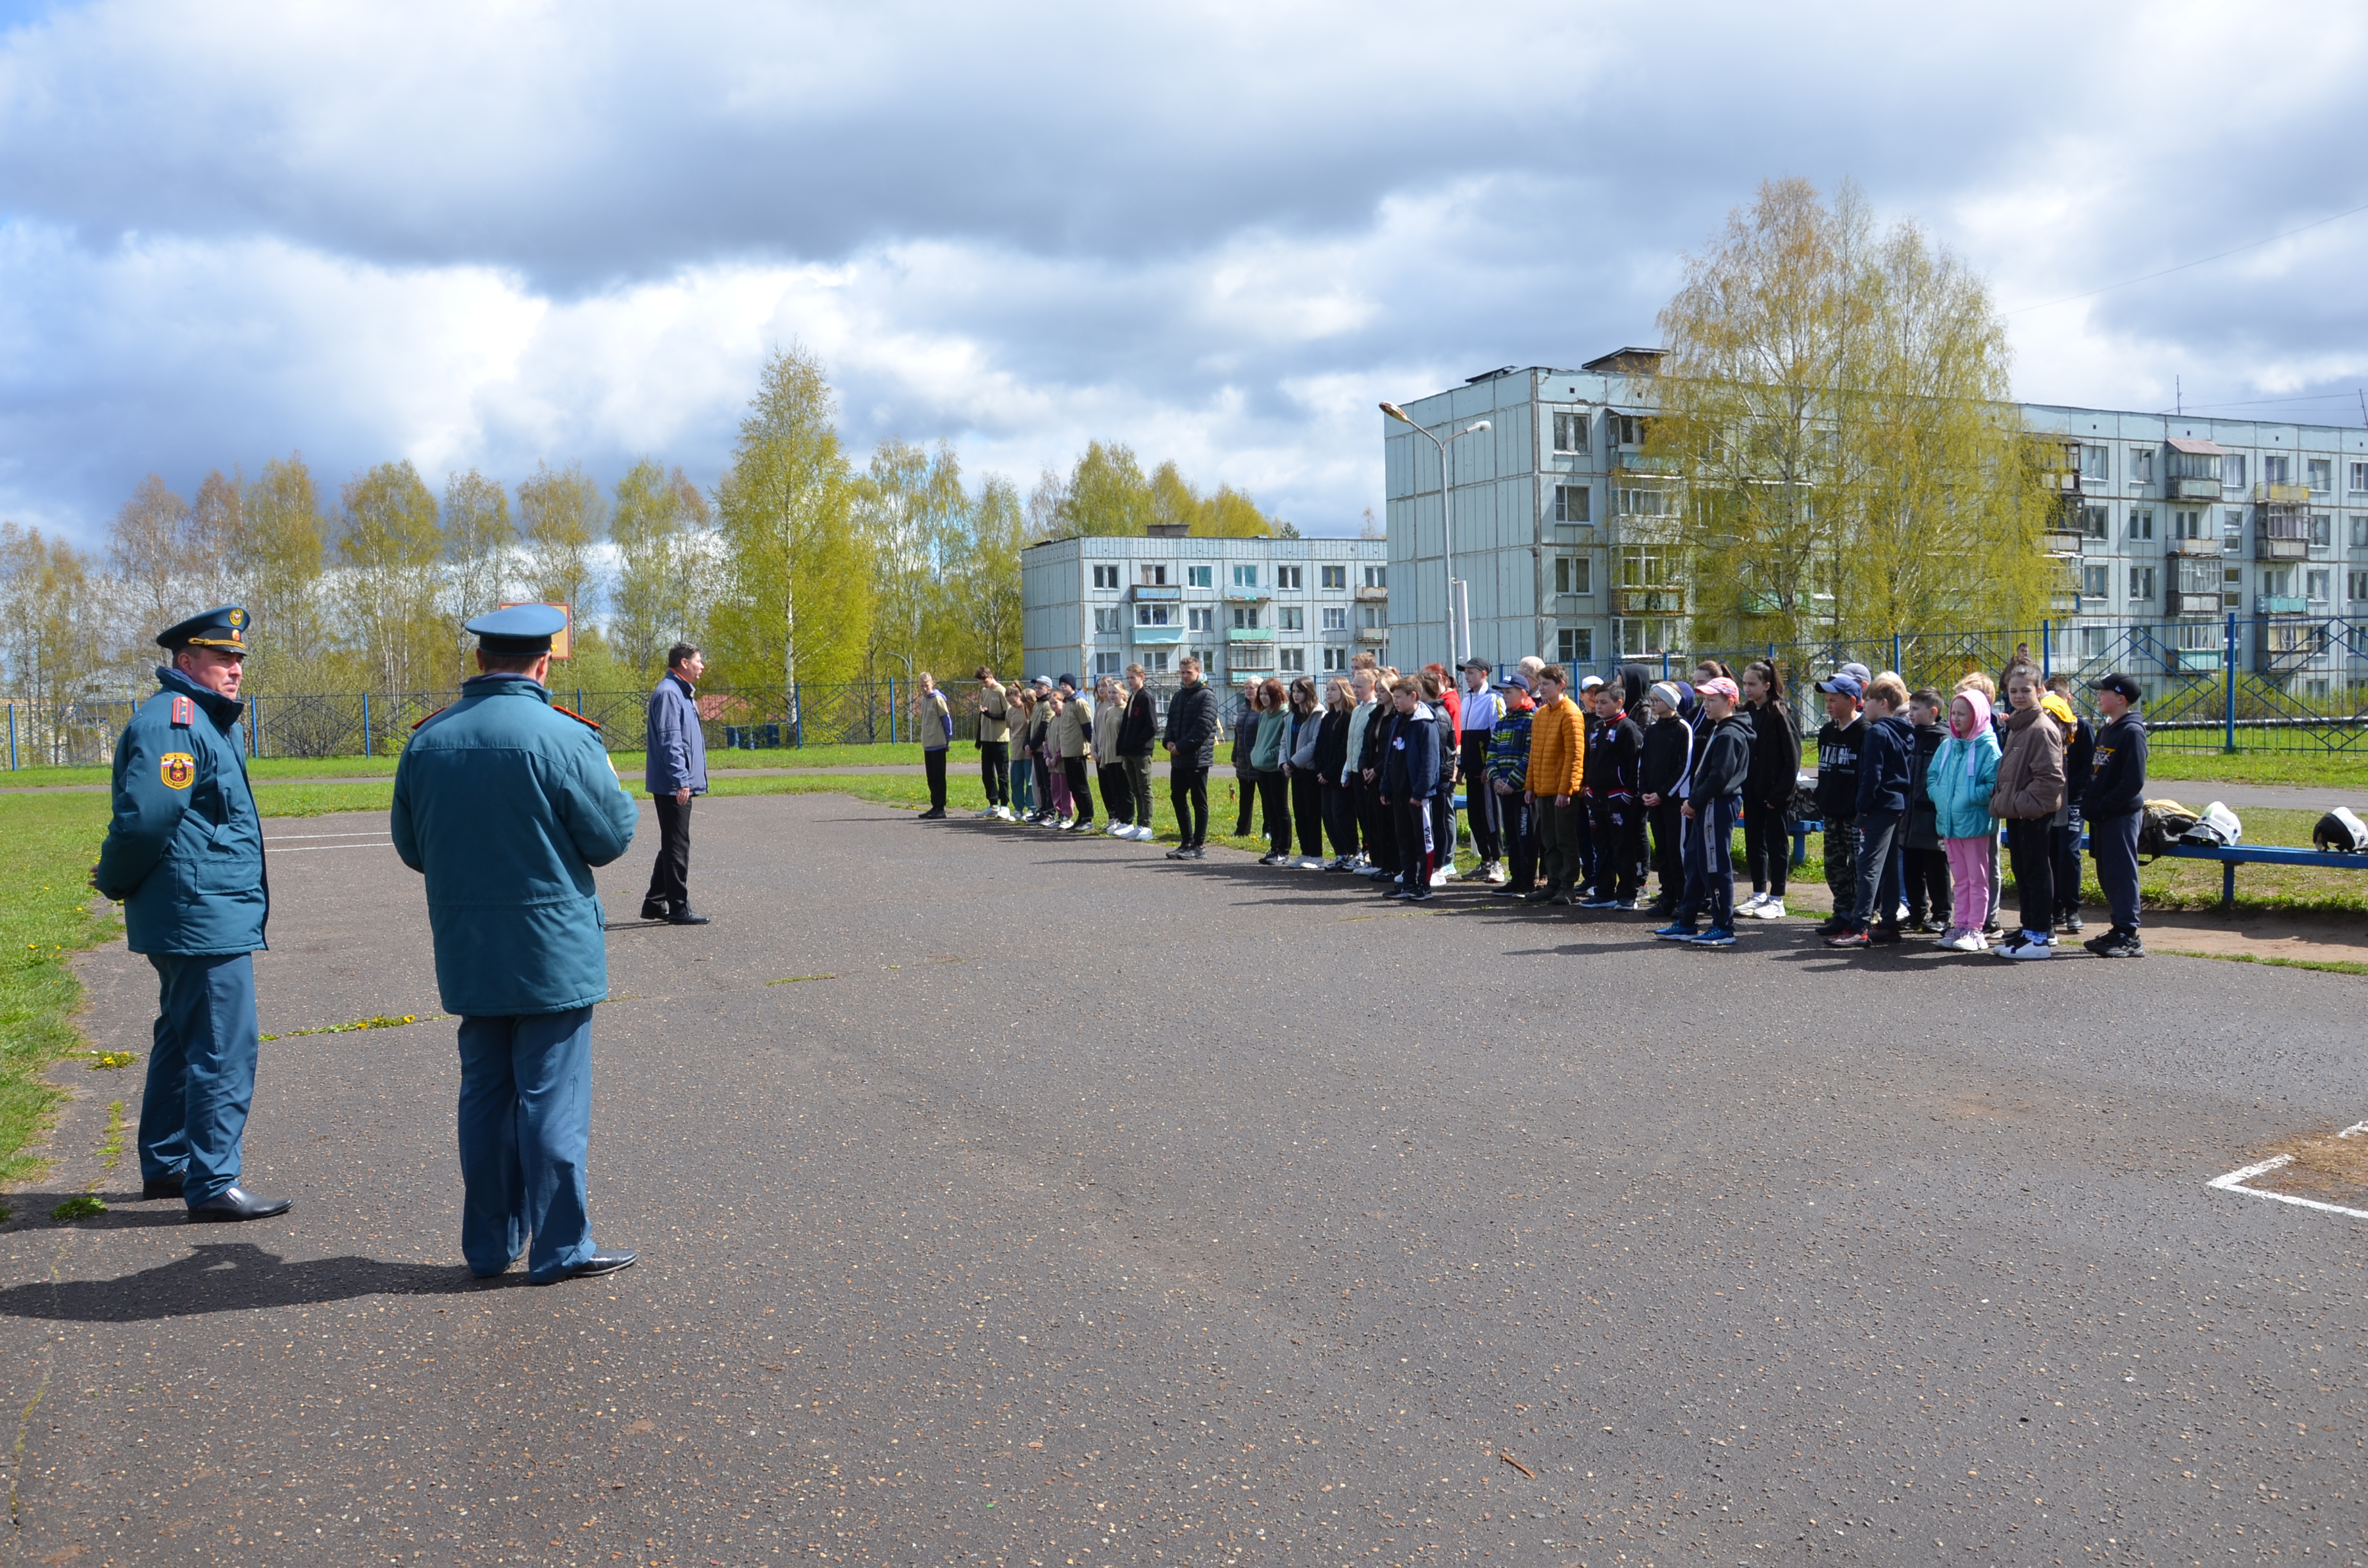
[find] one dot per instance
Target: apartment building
(1244, 607)
(1564, 535)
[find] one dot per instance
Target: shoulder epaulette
(593, 724)
(184, 711)
(425, 716)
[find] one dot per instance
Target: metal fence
(2258, 683)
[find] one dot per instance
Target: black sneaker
(2070, 924)
(1181, 852)
(1834, 925)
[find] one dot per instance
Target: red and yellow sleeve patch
(178, 769)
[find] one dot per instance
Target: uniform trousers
(1274, 801)
(1710, 863)
(994, 771)
(1767, 847)
(1380, 826)
(2034, 872)
(1340, 817)
(1246, 785)
(1516, 823)
(1876, 900)
(1841, 867)
(1619, 826)
(525, 1123)
(933, 765)
(200, 1071)
(1072, 771)
(1668, 821)
(2065, 839)
(1188, 791)
(1442, 825)
(670, 875)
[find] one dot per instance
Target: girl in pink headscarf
(1962, 775)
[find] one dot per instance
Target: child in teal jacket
(1962, 774)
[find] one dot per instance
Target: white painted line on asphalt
(2235, 1182)
(358, 833)
(310, 848)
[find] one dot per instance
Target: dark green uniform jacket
(184, 854)
(507, 805)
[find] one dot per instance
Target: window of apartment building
(1287, 578)
(1207, 659)
(2358, 582)
(1377, 577)
(1105, 577)
(2096, 522)
(2319, 474)
(2276, 469)
(2232, 528)
(1246, 617)
(2278, 582)
(1646, 566)
(1200, 620)
(2187, 525)
(1199, 576)
(1245, 576)
(2360, 533)
(1158, 662)
(2196, 636)
(2359, 478)
(2322, 530)
(2092, 642)
(1336, 659)
(2095, 582)
(2097, 464)
(2142, 585)
(1573, 575)
(1649, 637)
(2232, 471)
(1574, 645)
(1372, 616)
(1644, 502)
(1155, 615)
(2232, 587)
(1570, 432)
(1335, 579)
(1335, 618)
(2317, 584)
(2142, 522)
(1106, 618)
(1155, 576)
(1289, 617)
(1106, 664)
(2141, 465)
(1625, 429)
(1570, 503)
(1291, 659)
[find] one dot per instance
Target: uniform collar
(506, 683)
(219, 708)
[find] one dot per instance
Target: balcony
(1667, 599)
(2187, 489)
(1240, 634)
(1244, 657)
(2195, 549)
(2193, 601)
(1238, 595)
(2195, 661)
(1373, 593)
(2280, 545)
(2280, 495)
(1150, 636)
(2064, 601)
(2280, 604)
(1372, 636)
(2060, 541)
(1157, 593)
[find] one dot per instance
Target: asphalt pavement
(1013, 1197)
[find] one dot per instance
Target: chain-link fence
(2240, 683)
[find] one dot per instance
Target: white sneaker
(1002, 814)
(1966, 942)
(1748, 904)
(1494, 873)
(2023, 945)
(1119, 830)
(1766, 909)
(1309, 862)
(1440, 878)
(1143, 833)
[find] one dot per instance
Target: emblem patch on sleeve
(178, 770)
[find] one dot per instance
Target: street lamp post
(1456, 653)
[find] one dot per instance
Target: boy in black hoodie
(1614, 745)
(1667, 758)
(1838, 746)
(1713, 806)
(2079, 757)
(1882, 779)
(2114, 802)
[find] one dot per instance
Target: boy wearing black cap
(1840, 740)
(2114, 802)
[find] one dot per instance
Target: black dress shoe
(654, 911)
(599, 1263)
(232, 1204)
(163, 1187)
(685, 918)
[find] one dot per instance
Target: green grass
(2310, 769)
(2330, 966)
(48, 844)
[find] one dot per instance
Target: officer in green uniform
(506, 802)
(184, 856)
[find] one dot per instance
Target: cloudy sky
(487, 233)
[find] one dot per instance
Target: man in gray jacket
(675, 773)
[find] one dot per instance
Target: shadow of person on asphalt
(227, 1276)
